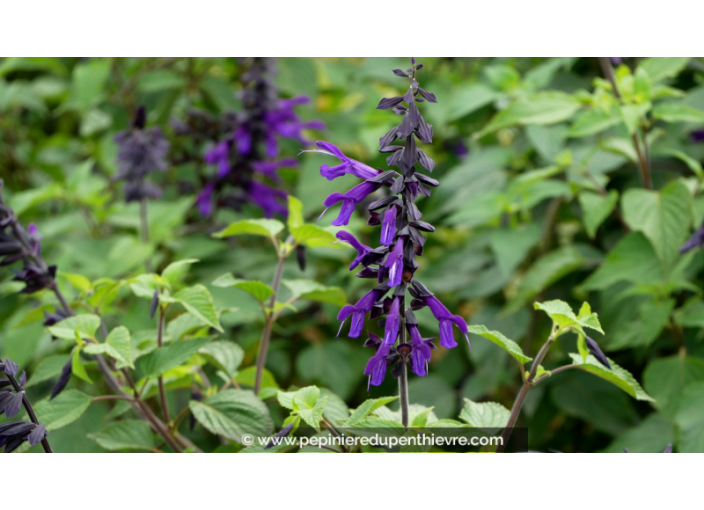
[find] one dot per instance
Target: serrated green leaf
(562, 315)
(659, 68)
(314, 291)
(260, 290)
(175, 271)
(198, 301)
(485, 415)
(66, 408)
(499, 339)
(263, 227)
(617, 375)
(227, 356)
(233, 413)
(285, 398)
(85, 325)
(161, 360)
(125, 435)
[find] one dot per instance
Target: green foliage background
(547, 204)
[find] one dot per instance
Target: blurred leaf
(125, 435)
(227, 356)
(314, 291)
(268, 228)
(89, 81)
(261, 291)
(596, 209)
(511, 245)
(485, 415)
(175, 271)
(663, 216)
(591, 122)
(233, 413)
(159, 80)
(659, 68)
(666, 378)
(247, 377)
(313, 236)
(48, 368)
(367, 408)
(85, 324)
(66, 408)
(161, 360)
(678, 112)
(652, 435)
(76, 280)
(295, 213)
(690, 418)
(547, 270)
(117, 345)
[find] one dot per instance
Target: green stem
(162, 389)
(270, 317)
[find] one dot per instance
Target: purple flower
(388, 227)
(446, 319)
(697, 136)
(220, 156)
(358, 311)
(376, 366)
(35, 238)
(362, 250)
(392, 322)
(347, 166)
(243, 139)
(349, 200)
(204, 201)
(269, 168)
(268, 198)
(421, 350)
(394, 261)
(284, 121)
(695, 241)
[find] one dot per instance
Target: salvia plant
(167, 284)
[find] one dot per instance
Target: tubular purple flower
(243, 139)
(394, 261)
(358, 311)
(349, 200)
(446, 319)
(392, 322)
(388, 227)
(697, 240)
(220, 156)
(347, 166)
(269, 168)
(268, 198)
(204, 202)
(35, 239)
(376, 366)
(362, 250)
(421, 351)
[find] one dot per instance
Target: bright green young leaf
(175, 271)
(485, 415)
(119, 340)
(77, 367)
(285, 398)
(85, 324)
(633, 114)
(125, 435)
(198, 301)
(295, 213)
(335, 409)
(233, 413)
(314, 291)
(305, 398)
(617, 375)
(263, 227)
(161, 360)
(663, 216)
(313, 236)
(260, 290)
(367, 408)
(227, 356)
(499, 339)
(76, 280)
(562, 315)
(66, 408)
(596, 209)
(247, 377)
(309, 405)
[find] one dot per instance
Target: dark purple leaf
(63, 379)
(388, 138)
(10, 367)
(427, 180)
(154, 304)
(425, 160)
(389, 102)
(428, 96)
(37, 434)
(399, 72)
(14, 404)
(383, 203)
